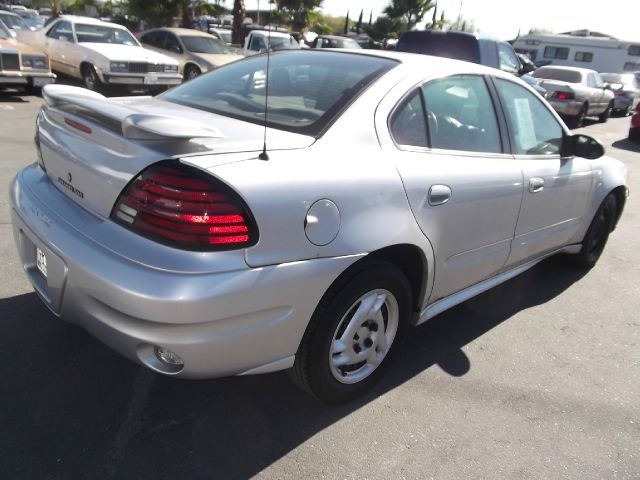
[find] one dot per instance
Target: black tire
(91, 80)
(31, 90)
(578, 120)
(634, 134)
(314, 370)
(604, 116)
(191, 72)
(597, 234)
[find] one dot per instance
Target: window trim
(511, 133)
(505, 141)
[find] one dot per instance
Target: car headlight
(119, 67)
(35, 61)
(171, 68)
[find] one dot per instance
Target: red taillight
(184, 207)
(563, 95)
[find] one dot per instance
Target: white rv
(581, 48)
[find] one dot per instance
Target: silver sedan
(216, 230)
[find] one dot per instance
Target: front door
(556, 189)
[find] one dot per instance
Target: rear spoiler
(133, 124)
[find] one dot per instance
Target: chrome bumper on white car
(209, 320)
(148, 79)
(566, 107)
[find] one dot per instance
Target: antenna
(264, 155)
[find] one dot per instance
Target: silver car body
(321, 204)
(587, 88)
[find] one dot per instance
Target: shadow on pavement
(10, 96)
(73, 408)
(626, 144)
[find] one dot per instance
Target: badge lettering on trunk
(68, 186)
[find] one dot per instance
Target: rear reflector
(77, 125)
(184, 207)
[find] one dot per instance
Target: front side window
(534, 129)
(461, 115)
(60, 31)
(307, 89)
(508, 60)
(152, 38)
(89, 33)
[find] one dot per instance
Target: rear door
(556, 189)
(464, 189)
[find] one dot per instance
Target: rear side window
(461, 115)
(535, 130)
(407, 125)
(307, 89)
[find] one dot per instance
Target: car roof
(89, 21)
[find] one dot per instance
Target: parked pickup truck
(463, 46)
(258, 41)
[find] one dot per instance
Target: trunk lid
(92, 147)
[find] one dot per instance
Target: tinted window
(152, 38)
(61, 29)
(534, 129)
(461, 115)
(450, 45)
(508, 60)
(560, 53)
(407, 125)
(584, 57)
(171, 43)
(307, 89)
(551, 73)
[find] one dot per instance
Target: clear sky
(503, 18)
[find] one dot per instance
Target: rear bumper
(244, 320)
(568, 108)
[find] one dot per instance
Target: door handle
(536, 184)
(439, 194)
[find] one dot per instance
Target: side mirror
(583, 146)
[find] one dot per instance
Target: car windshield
(30, 14)
(4, 32)
(202, 44)
(307, 90)
(569, 76)
(13, 21)
(224, 35)
(283, 43)
(103, 34)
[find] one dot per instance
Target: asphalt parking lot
(538, 378)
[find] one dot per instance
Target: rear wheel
(578, 120)
(634, 134)
(353, 333)
(604, 116)
(597, 234)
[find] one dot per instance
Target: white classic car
(103, 54)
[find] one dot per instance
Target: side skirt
(463, 295)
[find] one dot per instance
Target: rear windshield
(568, 76)
(460, 47)
(307, 89)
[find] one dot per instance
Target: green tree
(298, 11)
(408, 12)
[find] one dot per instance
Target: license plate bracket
(41, 261)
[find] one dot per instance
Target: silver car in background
(391, 187)
(626, 88)
(576, 93)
